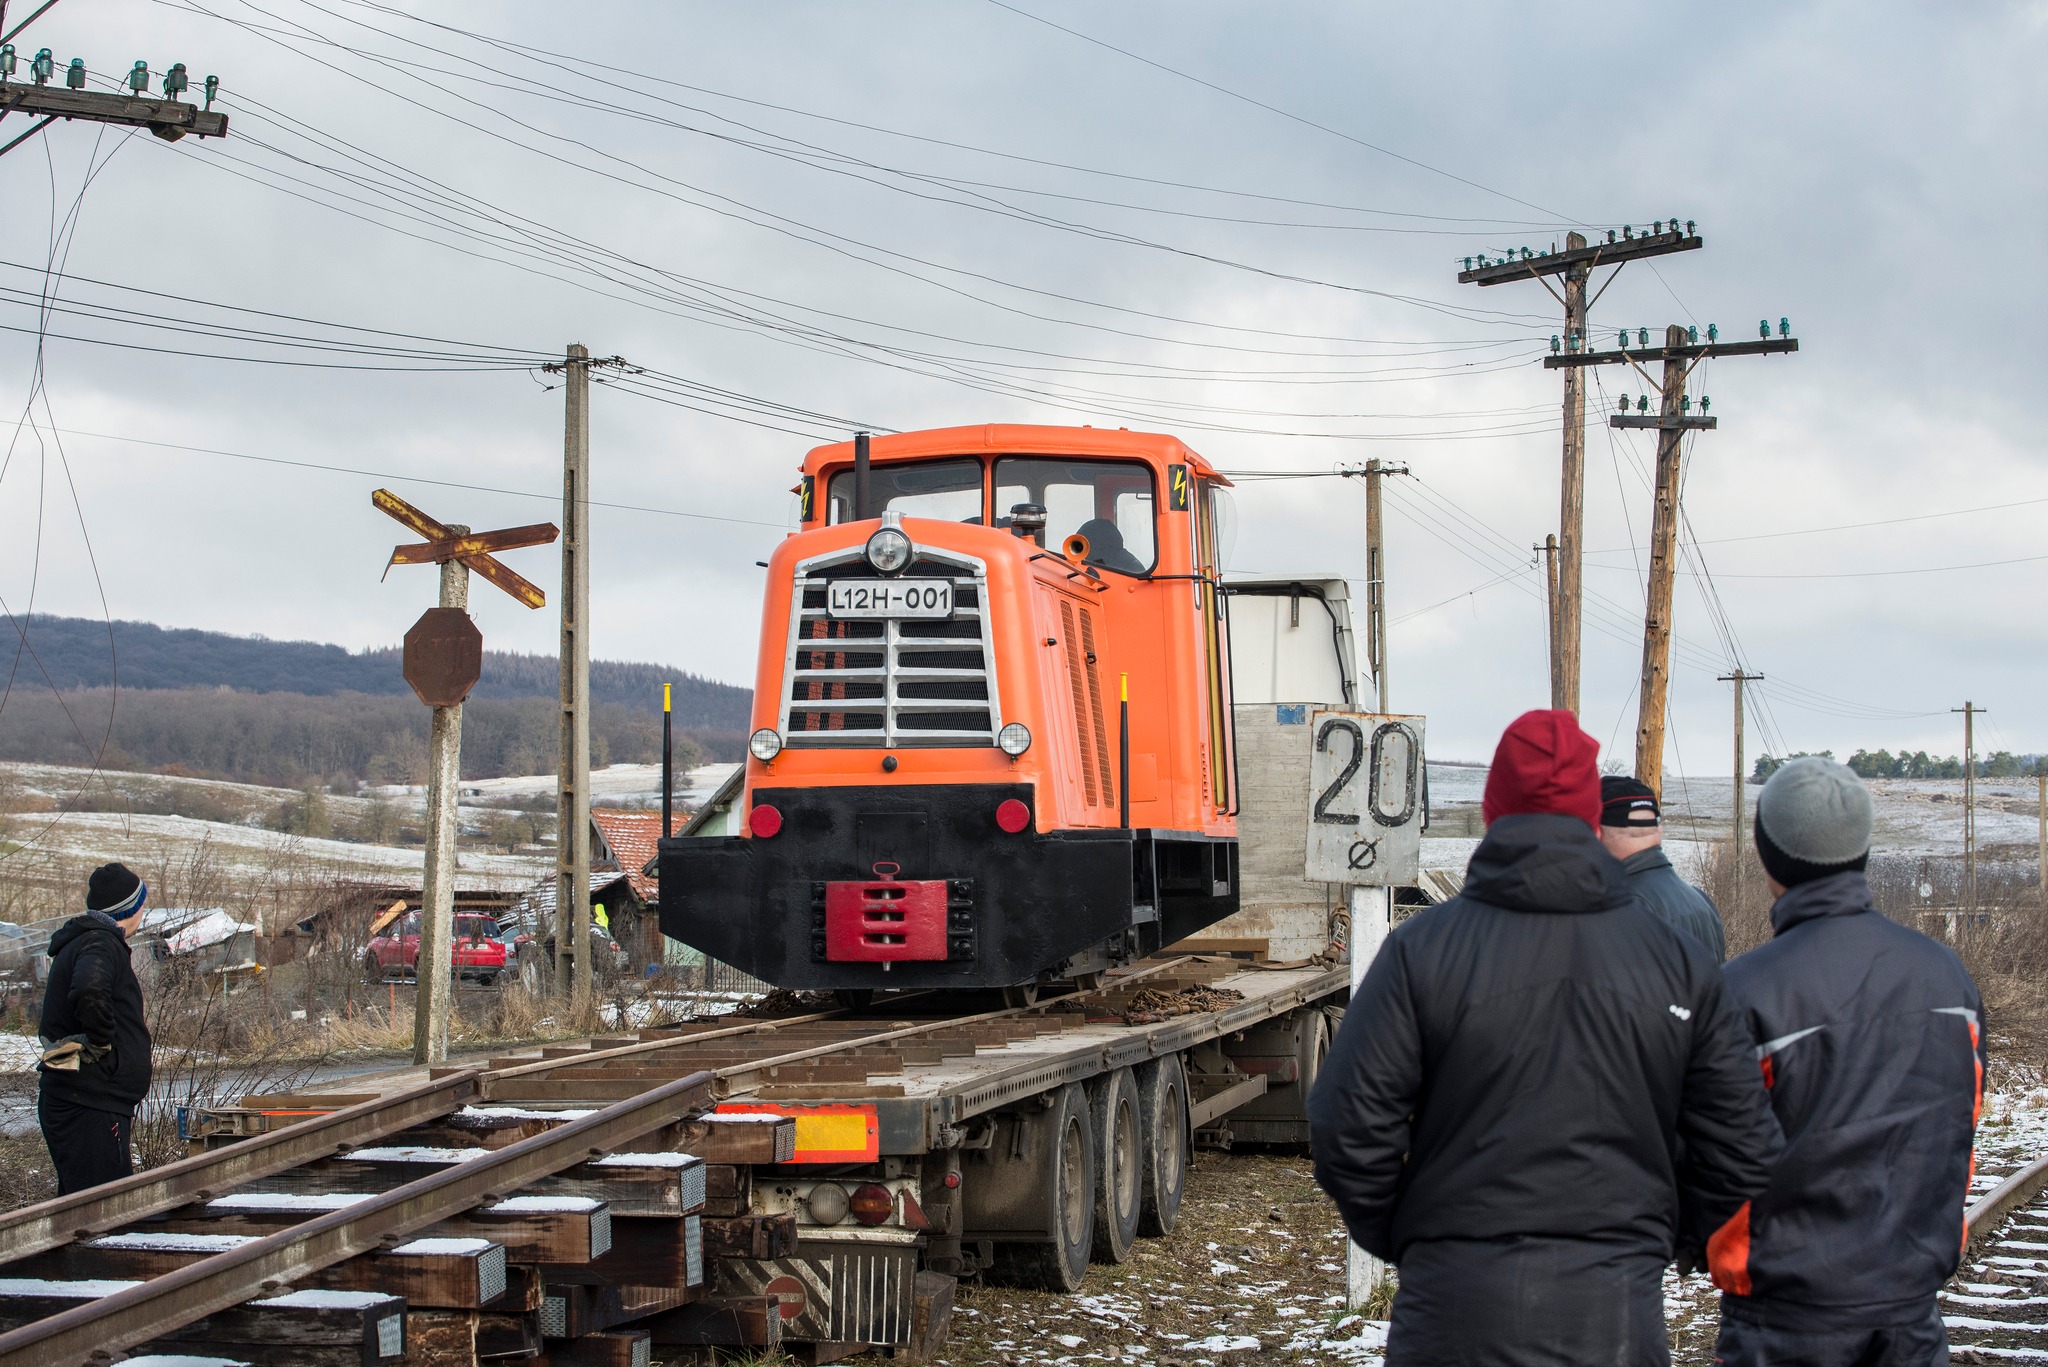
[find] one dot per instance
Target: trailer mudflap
(833, 1293)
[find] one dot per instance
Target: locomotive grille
(890, 681)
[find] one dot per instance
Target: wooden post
(572, 807)
(2041, 810)
(1656, 681)
(1738, 678)
(435, 962)
(1969, 711)
(1550, 619)
(1571, 507)
(1375, 581)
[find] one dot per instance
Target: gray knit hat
(1812, 819)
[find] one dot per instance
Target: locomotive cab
(992, 739)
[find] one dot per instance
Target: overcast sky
(924, 214)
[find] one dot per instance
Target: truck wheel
(373, 972)
(1069, 1176)
(1025, 994)
(1119, 1135)
(1163, 1109)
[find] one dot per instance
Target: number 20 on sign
(1367, 799)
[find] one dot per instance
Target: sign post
(1368, 801)
(444, 656)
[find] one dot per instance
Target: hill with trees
(297, 712)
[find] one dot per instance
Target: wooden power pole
(1376, 575)
(168, 117)
(1550, 616)
(1738, 678)
(1575, 265)
(1969, 711)
(572, 806)
(444, 656)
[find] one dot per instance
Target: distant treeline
(1918, 764)
(340, 740)
(72, 653)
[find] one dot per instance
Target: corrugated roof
(633, 839)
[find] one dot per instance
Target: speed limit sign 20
(1367, 797)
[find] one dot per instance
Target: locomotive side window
(1110, 502)
(949, 490)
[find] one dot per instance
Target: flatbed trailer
(817, 1182)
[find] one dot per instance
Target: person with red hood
(1539, 1093)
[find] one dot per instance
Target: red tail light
(1013, 816)
(872, 1204)
(764, 821)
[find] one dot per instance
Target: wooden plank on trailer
(735, 1138)
(644, 1253)
(751, 1236)
(509, 1335)
(361, 1326)
(440, 1338)
(444, 1274)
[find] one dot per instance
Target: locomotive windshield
(949, 490)
(1107, 501)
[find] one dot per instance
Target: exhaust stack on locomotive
(945, 788)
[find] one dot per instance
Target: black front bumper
(1024, 903)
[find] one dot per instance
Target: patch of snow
(174, 1243)
(180, 1360)
(1069, 1340)
(413, 1153)
(329, 1300)
(1224, 1343)
(646, 1160)
(522, 1113)
(544, 1205)
(87, 1290)
(432, 1248)
(1219, 1268)
(287, 1200)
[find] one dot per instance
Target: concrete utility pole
(434, 969)
(1738, 678)
(1969, 711)
(1576, 264)
(1376, 575)
(572, 806)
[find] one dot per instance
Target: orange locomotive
(993, 729)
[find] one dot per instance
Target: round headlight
(888, 550)
(765, 744)
(1014, 739)
(828, 1203)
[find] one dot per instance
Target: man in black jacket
(1538, 1092)
(1870, 1037)
(1632, 830)
(95, 1068)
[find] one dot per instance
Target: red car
(479, 953)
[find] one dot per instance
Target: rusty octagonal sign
(444, 655)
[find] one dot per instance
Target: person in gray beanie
(1871, 1041)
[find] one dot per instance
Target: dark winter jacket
(1674, 901)
(92, 992)
(1531, 1058)
(1870, 1037)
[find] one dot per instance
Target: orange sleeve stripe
(1728, 1254)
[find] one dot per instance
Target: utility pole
(1969, 711)
(169, 118)
(444, 656)
(1375, 569)
(1576, 264)
(1681, 352)
(1738, 678)
(1549, 550)
(572, 806)
(2041, 811)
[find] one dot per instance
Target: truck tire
(1119, 1167)
(1061, 1263)
(1165, 1143)
(373, 971)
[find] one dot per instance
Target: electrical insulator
(138, 78)
(1642, 336)
(74, 75)
(1556, 344)
(1643, 404)
(1784, 327)
(1763, 328)
(1658, 227)
(42, 67)
(212, 89)
(1689, 229)
(1692, 335)
(1685, 403)
(1610, 234)
(1624, 403)
(1628, 232)
(6, 61)
(175, 83)
(1705, 403)
(1624, 339)
(1713, 332)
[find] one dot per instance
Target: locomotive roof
(1018, 439)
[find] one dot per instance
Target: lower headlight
(766, 743)
(827, 1203)
(1014, 739)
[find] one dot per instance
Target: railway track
(1997, 1306)
(570, 1203)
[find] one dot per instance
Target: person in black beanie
(1632, 830)
(1871, 1041)
(95, 1065)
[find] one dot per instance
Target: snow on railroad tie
(544, 1205)
(180, 1360)
(288, 1200)
(441, 1248)
(173, 1243)
(87, 1289)
(328, 1300)
(413, 1153)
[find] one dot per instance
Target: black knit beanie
(111, 889)
(1813, 819)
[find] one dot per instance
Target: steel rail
(54, 1223)
(1990, 1209)
(166, 1303)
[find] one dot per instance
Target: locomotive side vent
(891, 682)
(1084, 679)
